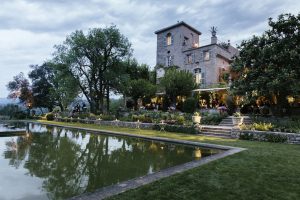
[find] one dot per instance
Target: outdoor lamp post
(29, 106)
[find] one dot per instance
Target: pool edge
(124, 186)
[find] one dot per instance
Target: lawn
(264, 171)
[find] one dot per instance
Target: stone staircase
(223, 130)
(216, 131)
(228, 121)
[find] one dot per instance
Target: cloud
(30, 28)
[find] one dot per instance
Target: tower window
(169, 39)
(185, 41)
(189, 59)
(206, 55)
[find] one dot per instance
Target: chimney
(214, 38)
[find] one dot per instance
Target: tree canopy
(177, 83)
(141, 88)
(20, 88)
(269, 65)
(94, 59)
(42, 77)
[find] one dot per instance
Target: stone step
(218, 128)
(228, 121)
(215, 135)
(216, 131)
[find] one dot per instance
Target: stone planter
(236, 121)
(196, 119)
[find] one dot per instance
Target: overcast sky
(30, 28)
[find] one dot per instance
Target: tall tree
(65, 88)
(268, 65)
(42, 84)
(128, 76)
(92, 60)
(177, 83)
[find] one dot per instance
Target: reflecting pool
(57, 163)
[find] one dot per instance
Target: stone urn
(196, 118)
(237, 119)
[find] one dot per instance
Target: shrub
(92, 116)
(276, 138)
(180, 120)
(189, 105)
(20, 115)
(56, 109)
(107, 117)
(246, 136)
(212, 119)
(83, 115)
(177, 129)
(142, 118)
(50, 116)
(262, 126)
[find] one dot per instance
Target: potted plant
(237, 119)
(196, 118)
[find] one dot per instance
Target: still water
(56, 163)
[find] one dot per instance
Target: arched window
(169, 39)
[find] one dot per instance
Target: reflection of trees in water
(17, 149)
(71, 163)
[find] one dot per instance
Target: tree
(177, 83)
(93, 59)
(20, 88)
(128, 76)
(42, 84)
(65, 88)
(141, 88)
(268, 65)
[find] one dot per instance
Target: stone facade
(179, 45)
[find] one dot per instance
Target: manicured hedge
(175, 128)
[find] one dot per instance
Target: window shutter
(201, 56)
(166, 61)
(172, 60)
(172, 39)
(185, 59)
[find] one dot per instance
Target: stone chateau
(179, 45)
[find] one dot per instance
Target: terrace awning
(210, 89)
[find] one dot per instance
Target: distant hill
(4, 101)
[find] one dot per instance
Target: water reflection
(73, 162)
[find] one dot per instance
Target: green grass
(264, 171)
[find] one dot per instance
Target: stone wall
(268, 136)
(109, 123)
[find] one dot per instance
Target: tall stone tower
(172, 41)
(179, 45)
